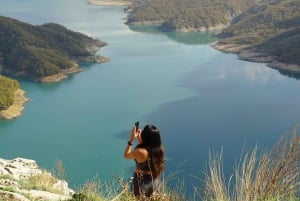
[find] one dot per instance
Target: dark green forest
(32, 52)
(264, 21)
(175, 15)
(8, 88)
(272, 27)
(285, 46)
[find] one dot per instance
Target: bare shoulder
(141, 154)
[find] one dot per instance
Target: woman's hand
(133, 135)
(139, 138)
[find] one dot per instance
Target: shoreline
(60, 76)
(16, 108)
(248, 53)
(64, 73)
(108, 2)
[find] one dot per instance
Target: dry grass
(94, 191)
(59, 170)
(44, 181)
(215, 187)
(89, 192)
(261, 175)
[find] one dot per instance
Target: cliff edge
(22, 180)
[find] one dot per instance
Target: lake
(199, 98)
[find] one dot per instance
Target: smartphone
(137, 125)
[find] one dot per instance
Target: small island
(42, 53)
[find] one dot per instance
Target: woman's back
(149, 158)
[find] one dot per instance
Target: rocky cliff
(22, 180)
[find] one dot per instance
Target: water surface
(200, 98)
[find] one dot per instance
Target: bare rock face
(19, 168)
(14, 174)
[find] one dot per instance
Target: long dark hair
(151, 141)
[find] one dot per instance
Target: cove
(199, 98)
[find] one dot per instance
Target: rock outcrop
(17, 182)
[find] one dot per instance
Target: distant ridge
(187, 15)
(258, 30)
(268, 33)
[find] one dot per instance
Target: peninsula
(267, 33)
(42, 53)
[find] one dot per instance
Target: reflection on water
(290, 74)
(151, 29)
(193, 38)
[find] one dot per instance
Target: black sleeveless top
(144, 166)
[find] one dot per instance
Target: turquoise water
(200, 98)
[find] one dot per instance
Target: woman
(149, 159)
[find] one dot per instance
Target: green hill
(272, 29)
(40, 53)
(34, 52)
(285, 46)
(187, 15)
(264, 21)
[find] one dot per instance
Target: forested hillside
(8, 88)
(272, 27)
(187, 15)
(285, 47)
(264, 21)
(33, 52)
(268, 27)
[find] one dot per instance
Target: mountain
(36, 52)
(187, 15)
(261, 22)
(268, 33)
(285, 46)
